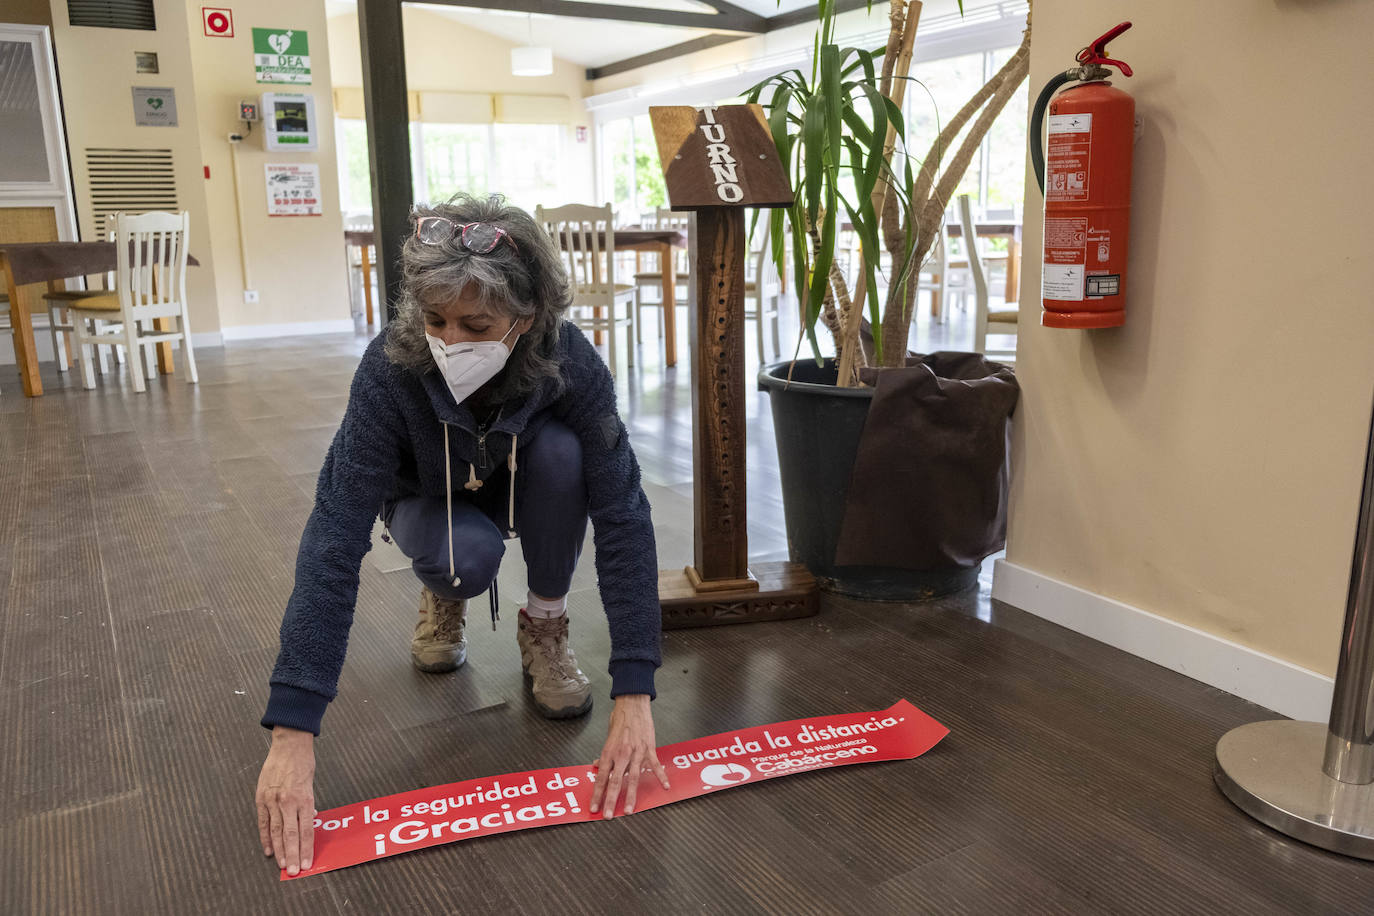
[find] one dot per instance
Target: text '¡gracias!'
(366, 831)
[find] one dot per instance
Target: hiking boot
(560, 690)
(439, 644)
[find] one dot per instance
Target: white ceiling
(587, 42)
(597, 42)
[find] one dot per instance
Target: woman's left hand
(630, 751)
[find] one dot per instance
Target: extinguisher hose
(1036, 138)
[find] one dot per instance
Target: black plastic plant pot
(818, 425)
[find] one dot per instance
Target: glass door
(33, 146)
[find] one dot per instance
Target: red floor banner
(388, 826)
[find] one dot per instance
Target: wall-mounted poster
(281, 56)
(155, 107)
(293, 190)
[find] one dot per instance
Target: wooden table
(985, 230)
(364, 239)
(53, 262)
(662, 241)
(1009, 231)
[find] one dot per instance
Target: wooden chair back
(682, 222)
(150, 273)
(586, 236)
(985, 321)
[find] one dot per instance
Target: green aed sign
(281, 56)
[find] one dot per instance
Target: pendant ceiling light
(532, 59)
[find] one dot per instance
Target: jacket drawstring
(510, 463)
(448, 502)
(475, 484)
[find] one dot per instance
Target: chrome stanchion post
(1314, 782)
(1350, 740)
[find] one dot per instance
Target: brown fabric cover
(929, 485)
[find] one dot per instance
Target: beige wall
(97, 71)
(445, 56)
(1203, 463)
(26, 12)
(296, 263)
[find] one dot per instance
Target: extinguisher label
(1065, 259)
(1068, 156)
(1063, 282)
(1104, 285)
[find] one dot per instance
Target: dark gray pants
(550, 516)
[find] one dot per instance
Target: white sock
(538, 607)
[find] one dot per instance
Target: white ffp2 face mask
(468, 366)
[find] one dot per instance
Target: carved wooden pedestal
(781, 591)
(718, 161)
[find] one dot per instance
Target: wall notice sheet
(293, 190)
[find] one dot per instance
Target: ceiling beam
(722, 7)
(796, 17)
(729, 19)
(808, 14)
(668, 53)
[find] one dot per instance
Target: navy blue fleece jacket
(391, 445)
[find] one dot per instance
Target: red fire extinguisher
(1087, 188)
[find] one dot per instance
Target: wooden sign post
(717, 162)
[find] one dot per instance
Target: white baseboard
(208, 339)
(1262, 679)
(289, 329)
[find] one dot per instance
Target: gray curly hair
(531, 283)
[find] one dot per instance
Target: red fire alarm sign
(219, 23)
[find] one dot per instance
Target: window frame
(56, 192)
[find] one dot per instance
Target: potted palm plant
(841, 132)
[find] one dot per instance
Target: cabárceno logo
(724, 774)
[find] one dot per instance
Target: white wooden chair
(5, 313)
(647, 277)
(59, 303)
(652, 279)
(763, 291)
(945, 274)
(986, 321)
(150, 284)
(359, 303)
(991, 259)
(586, 235)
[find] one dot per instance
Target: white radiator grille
(112, 14)
(130, 181)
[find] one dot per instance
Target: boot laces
(448, 618)
(552, 640)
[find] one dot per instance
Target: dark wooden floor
(146, 550)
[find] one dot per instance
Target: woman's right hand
(286, 799)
